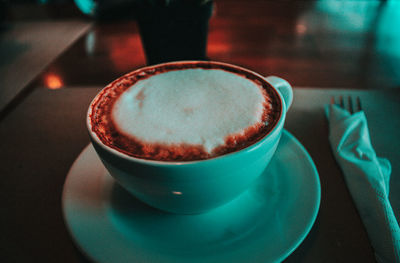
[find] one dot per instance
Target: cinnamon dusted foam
(184, 111)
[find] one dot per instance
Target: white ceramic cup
(195, 186)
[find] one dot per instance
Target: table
(27, 48)
(44, 135)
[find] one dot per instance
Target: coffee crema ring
(111, 134)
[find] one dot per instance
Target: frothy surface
(191, 106)
(184, 111)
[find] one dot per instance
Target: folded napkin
(367, 177)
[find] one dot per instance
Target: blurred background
(326, 43)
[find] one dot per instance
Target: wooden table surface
(27, 48)
(45, 134)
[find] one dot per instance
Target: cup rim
(93, 135)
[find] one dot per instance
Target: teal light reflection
(379, 20)
(388, 28)
(347, 16)
(87, 7)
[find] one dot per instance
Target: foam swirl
(191, 106)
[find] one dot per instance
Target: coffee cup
(188, 178)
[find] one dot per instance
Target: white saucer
(265, 224)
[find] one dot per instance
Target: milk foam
(190, 106)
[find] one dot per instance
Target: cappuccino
(184, 111)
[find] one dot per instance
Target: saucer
(264, 224)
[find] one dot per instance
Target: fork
(350, 103)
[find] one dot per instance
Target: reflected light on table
(221, 42)
(126, 52)
(219, 47)
(90, 42)
(301, 29)
(53, 81)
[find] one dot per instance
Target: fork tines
(350, 103)
(358, 102)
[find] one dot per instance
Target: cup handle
(284, 88)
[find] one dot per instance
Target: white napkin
(367, 177)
